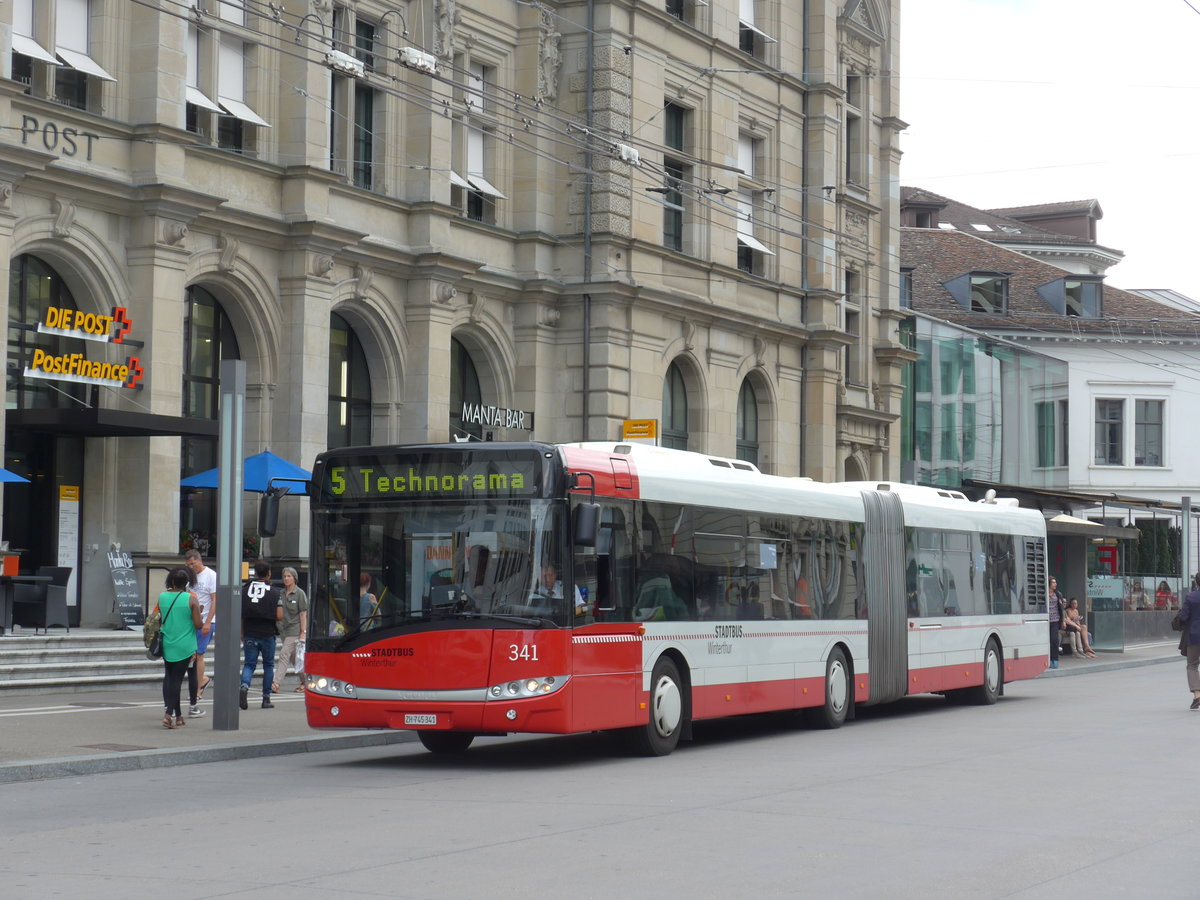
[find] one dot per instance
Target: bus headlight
(527, 687)
(329, 687)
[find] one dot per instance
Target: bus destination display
(430, 478)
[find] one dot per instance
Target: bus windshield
(500, 562)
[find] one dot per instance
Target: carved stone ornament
(322, 265)
(689, 335)
(6, 192)
(856, 224)
(549, 316)
(760, 351)
(445, 293)
(174, 233)
(362, 282)
(322, 7)
(477, 301)
(447, 14)
(64, 217)
(549, 54)
(229, 252)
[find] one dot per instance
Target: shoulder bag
(154, 650)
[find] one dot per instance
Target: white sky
(1015, 102)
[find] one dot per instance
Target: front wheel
(660, 735)
(447, 743)
(837, 693)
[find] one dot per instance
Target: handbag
(1177, 622)
(154, 644)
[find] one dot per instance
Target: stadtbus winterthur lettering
(376, 481)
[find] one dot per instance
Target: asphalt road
(1068, 787)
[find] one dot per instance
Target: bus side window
(611, 567)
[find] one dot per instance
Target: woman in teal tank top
(180, 619)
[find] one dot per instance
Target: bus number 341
(523, 651)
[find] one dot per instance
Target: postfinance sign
(76, 367)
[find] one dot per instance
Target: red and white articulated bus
(493, 588)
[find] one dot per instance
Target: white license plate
(420, 719)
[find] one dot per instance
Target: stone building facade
(586, 212)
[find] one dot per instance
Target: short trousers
(203, 640)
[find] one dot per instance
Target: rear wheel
(837, 693)
(660, 735)
(445, 742)
(993, 674)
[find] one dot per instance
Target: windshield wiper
(533, 622)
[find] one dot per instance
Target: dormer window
(1074, 295)
(981, 292)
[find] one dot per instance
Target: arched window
(464, 390)
(208, 338)
(349, 421)
(33, 288)
(747, 423)
(675, 410)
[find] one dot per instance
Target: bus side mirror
(587, 522)
(268, 511)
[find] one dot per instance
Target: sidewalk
(55, 735)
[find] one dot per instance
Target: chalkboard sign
(125, 587)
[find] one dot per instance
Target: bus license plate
(420, 719)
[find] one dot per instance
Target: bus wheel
(660, 735)
(837, 693)
(445, 742)
(993, 670)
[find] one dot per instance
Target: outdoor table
(8, 585)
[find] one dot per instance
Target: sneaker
(1196, 703)
(267, 704)
(1054, 663)
(243, 691)
(195, 712)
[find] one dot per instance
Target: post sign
(640, 430)
(128, 600)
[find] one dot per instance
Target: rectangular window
(968, 432)
(1148, 433)
(677, 172)
(949, 434)
(854, 348)
(235, 130)
(989, 294)
(751, 38)
(853, 148)
(906, 288)
(1082, 298)
(1110, 431)
(363, 172)
(1046, 434)
(481, 193)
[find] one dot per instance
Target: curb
(11, 773)
(1087, 669)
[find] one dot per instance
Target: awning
(197, 97)
(98, 422)
(240, 110)
(83, 63)
(1067, 525)
(28, 46)
(755, 244)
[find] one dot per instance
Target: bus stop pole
(229, 545)
(1185, 537)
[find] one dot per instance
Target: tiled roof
(1004, 229)
(1078, 207)
(936, 256)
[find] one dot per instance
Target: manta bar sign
(76, 367)
(496, 416)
